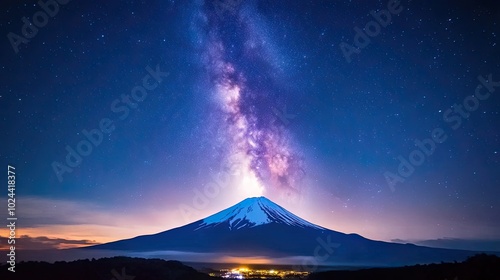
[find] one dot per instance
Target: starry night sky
(272, 97)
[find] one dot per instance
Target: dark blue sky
(263, 88)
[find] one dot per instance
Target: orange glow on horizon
(246, 260)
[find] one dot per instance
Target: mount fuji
(253, 212)
(259, 227)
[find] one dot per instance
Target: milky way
(232, 65)
(242, 82)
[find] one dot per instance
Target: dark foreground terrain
(478, 267)
(117, 268)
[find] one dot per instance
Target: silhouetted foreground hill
(479, 267)
(117, 268)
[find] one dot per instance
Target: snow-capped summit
(253, 212)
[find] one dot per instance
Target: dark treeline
(479, 267)
(117, 268)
